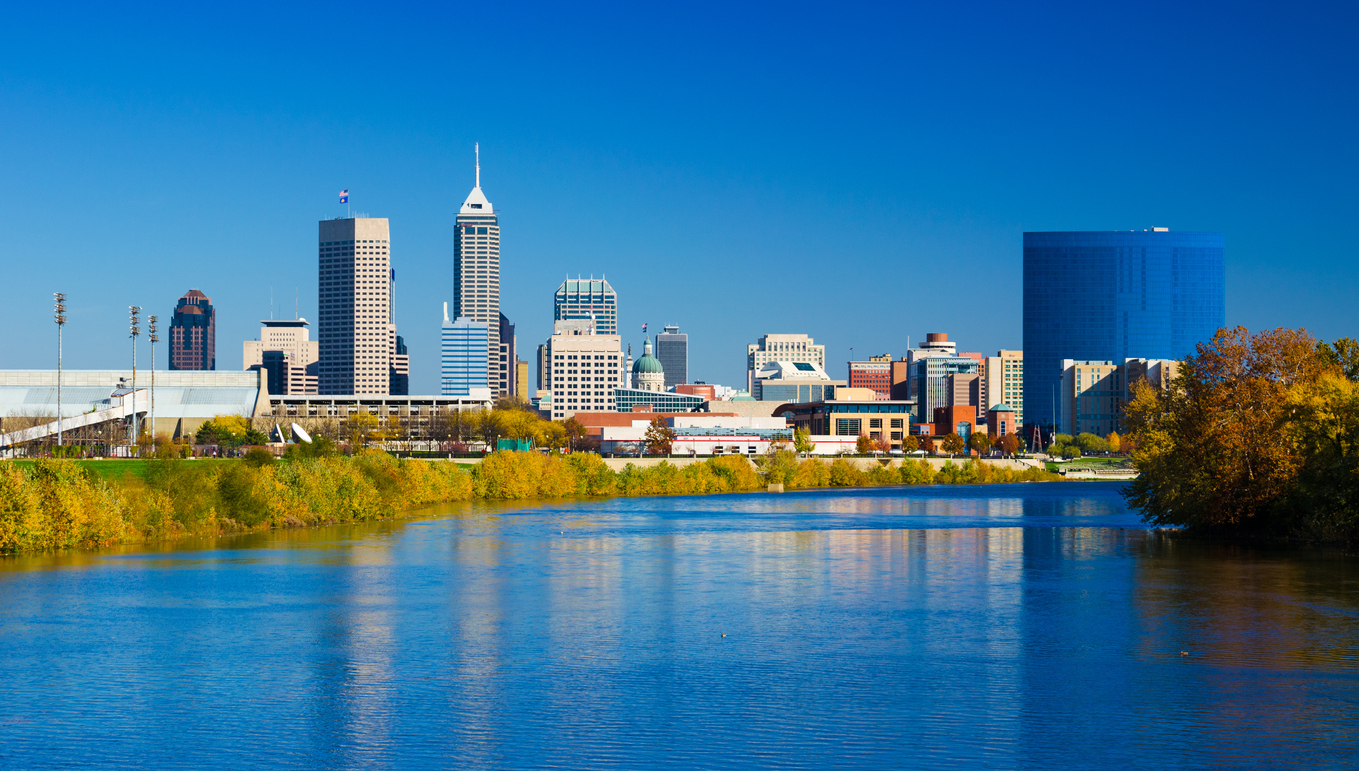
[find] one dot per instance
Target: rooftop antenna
(478, 150)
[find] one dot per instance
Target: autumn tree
(953, 444)
(1008, 444)
(659, 437)
(927, 443)
(1114, 441)
(909, 443)
(1213, 450)
(882, 445)
(863, 445)
(575, 432)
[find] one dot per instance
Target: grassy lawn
(122, 468)
(1088, 461)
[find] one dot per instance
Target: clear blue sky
(859, 173)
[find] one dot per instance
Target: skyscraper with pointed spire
(476, 270)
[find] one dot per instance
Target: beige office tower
(794, 348)
(585, 369)
(285, 352)
(1004, 374)
(476, 271)
(356, 335)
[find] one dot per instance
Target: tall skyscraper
(791, 348)
(476, 270)
(672, 350)
(293, 361)
(1110, 296)
(462, 370)
(193, 333)
(587, 298)
(356, 332)
(506, 373)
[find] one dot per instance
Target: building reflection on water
(799, 629)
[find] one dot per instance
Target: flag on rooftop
(644, 329)
(344, 196)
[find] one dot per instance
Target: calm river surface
(1025, 626)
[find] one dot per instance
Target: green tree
(980, 442)
(953, 444)
(1090, 443)
(659, 437)
(802, 442)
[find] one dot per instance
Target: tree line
(1258, 436)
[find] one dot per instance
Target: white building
(701, 435)
(793, 348)
(583, 368)
(476, 270)
(285, 351)
(793, 381)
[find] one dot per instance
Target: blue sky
(860, 173)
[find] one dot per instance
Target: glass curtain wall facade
(463, 364)
(934, 384)
(1109, 296)
(579, 298)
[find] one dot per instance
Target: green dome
(648, 364)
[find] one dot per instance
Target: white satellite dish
(302, 436)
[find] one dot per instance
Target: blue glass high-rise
(1111, 295)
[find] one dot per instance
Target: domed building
(647, 372)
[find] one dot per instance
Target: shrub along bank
(58, 504)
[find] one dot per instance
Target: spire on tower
(478, 150)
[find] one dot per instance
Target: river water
(1017, 626)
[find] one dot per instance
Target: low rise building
(1001, 420)
(704, 390)
(878, 420)
(793, 381)
(700, 435)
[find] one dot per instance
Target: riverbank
(62, 504)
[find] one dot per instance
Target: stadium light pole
(154, 338)
(61, 322)
(134, 312)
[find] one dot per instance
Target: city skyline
(614, 186)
